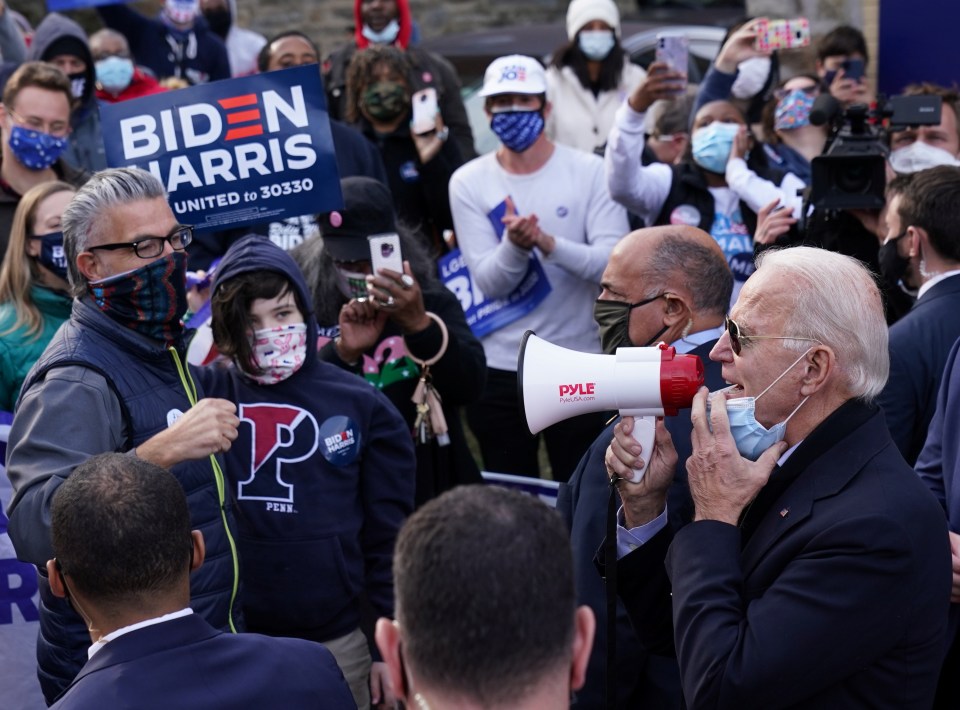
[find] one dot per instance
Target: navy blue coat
(186, 664)
(919, 344)
(583, 503)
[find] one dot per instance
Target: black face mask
(613, 317)
(219, 21)
(893, 267)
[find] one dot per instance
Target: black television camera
(851, 172)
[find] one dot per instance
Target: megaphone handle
(644, 429)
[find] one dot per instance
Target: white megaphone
(646, 383)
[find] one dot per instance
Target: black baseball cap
(367, 209)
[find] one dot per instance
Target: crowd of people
(793, 542)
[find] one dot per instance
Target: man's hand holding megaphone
(643, 501)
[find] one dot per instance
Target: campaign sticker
(742, 265)
(339, 440)
(173, 416)
(685, 214)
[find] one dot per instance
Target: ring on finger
(407, 281)
(389, 303)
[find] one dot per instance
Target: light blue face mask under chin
(751, 437)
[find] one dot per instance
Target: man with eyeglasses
(114, 378)
(816, 571)
(34, 133)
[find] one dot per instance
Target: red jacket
(404, 19)
(142, 84)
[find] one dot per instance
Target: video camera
(851, 172)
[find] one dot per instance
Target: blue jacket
(186, 664)
(323, 475)
(143, 379)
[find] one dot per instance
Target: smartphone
(673, 50)
(854, 69)
(424, 111)
(385, 253)
(783, 34)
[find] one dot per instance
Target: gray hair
(702, 271)
(835, 301)
(105, 190)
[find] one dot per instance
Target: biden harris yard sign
(233, 152)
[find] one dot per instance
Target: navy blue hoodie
(323, 475)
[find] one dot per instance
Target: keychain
(430, 422)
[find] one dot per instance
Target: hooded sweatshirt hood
(257, 253)
(404, 19)
(53, 28)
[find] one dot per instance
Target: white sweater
(569, 196)
(578, 118)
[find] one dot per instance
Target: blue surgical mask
(385, 36)
(517, 130)
(114, 74)
(35, 149)
(711, 145)
(596, 44)
(751, 436)
(51, 253)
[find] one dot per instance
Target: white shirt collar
(104, 640)
(691, 341)
(935, 280)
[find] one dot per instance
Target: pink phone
(782, 34)
(425, 111)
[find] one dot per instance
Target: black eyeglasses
(737, 338)
(150, 247)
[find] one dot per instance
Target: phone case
(673, 50)
(424, 103)
(385, 253)
(783, 34)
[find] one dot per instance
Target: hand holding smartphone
(673, 50)
(425, 110)
(782, 34)
(385, 253)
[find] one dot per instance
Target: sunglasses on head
(737, 338)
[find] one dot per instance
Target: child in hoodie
(322, 471)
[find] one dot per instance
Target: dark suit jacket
(837, 599)
(919, 344)
(583, 503)
(187, 664)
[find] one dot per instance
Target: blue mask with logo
(114, 73)
(751, 436)
(517, 130)
(35, 149)
(712, 144)
(51, 253)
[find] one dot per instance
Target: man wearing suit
(924, 216)
(669, 284)
(124, 553)
(816, 571)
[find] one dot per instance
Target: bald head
(108, 43)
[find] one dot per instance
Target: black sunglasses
(737, 338)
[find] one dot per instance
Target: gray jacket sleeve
(61, 422)
(12, 46)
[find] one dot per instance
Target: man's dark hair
(611, 67)
(39, 75)
(843, 41)
(929, 202)
(263, 57)
(230, 305)
(485, 596)
(897, 185)
(702, 271)
(121, 529)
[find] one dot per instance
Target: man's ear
(676, 310)
(88, 266)
(820, 367)
(585, 624)
(199, 550)
(57, 586)
(917, 237)
(387, 636)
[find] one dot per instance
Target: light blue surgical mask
(114, 74)
(712, 144)
(385, 36)
(751, 436)
(596, 44)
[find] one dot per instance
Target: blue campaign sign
(233, 152)
(61, 5)
(485, 315)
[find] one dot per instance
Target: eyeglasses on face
(57, 129)
(737, 338)
(150, 247)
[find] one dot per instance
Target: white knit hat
(581, 12)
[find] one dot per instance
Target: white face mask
(385, 36)
(751, 436)
(919, 156)
(596, 44)
(278, 352)
(751, 77)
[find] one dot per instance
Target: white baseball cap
(514, 74)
